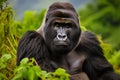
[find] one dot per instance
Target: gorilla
(60, 43)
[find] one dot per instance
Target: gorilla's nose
(61, 36)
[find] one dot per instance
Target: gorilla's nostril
(64, 36)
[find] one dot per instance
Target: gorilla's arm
(31, 45)
(96, 66)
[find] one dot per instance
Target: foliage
(8, 41)
(28, 71)
(31, 21)
(3, 65)
(115, 60)
(102, 17)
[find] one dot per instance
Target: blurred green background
(18, 16)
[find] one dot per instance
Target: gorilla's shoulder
(32, 38)
(90, 44)
(30, 45)
(31, 34)
(89, 37)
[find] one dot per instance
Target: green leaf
(31, 74)
(37, 70)
(17, 77)
(24, 61)
(5, 57)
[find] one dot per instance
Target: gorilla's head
(61, 30)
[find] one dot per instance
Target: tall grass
(8, 41)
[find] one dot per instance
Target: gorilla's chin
(62, 49)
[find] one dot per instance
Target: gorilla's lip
(61, 43)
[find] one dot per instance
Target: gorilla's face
(62, 30)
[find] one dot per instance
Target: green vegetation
(28, 71)
(8, 41)
(101, 17)
(31, 21)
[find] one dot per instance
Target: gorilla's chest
(75, 61)
(72, 63)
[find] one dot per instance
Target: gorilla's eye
(68, 25)
(56, 24)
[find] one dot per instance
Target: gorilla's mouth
(61, 47)
(61, 43)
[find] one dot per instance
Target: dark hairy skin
(60, 43)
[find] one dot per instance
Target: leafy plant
(3, 64)
(115, 61)
(8, 41)
(28, 71)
